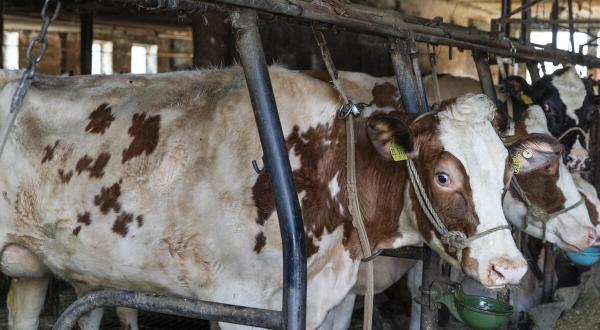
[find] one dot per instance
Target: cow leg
(25, 301)
(214, 325)
(91, 320)
(339, 317)
(128, 318)
(27, 287)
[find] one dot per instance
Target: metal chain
(27, 76)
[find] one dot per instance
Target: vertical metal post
(86, 41)
(277, 166)
(404, 76)
(571, 26)
(525, 23)
(549, 263)
(431, 271)
(534, 72)
(554, 19)
(485, 75)
(506, 4)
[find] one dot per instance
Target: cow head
(568, 102)
(464, 168)
(550, 188)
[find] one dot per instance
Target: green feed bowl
(482, 312)
(478, 312)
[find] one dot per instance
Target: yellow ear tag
(398, 153)
(516, 163)
(526, 99)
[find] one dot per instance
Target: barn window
(144, 58)
(562, 42)
(102, 61)
(11, 50)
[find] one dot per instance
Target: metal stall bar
(277, 165)
(485, 74)
(399, 52)
(168, 305)
(86, 41)
(534, 72)
(505, 12)
(393, 24)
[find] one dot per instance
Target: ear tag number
(526, 99)
(398, 153)
(516, 163)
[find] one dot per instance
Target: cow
(143, 182)
(551, 188)
(570, 104)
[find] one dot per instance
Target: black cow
(570, 105)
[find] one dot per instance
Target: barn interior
(121, 37)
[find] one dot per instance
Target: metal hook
(256, 168)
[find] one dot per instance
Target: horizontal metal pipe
(392, 23)
(407, 252)
(168, 305)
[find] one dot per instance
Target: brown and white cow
(551, 187)
(144, 183)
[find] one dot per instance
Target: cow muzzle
(578, 160)
(504, 271)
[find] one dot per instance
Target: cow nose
(591, 237)
(504, 271)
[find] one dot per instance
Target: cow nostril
(496, 273)
(570, 159)
(592, 237)
(587, 163)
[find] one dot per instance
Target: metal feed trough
(403, 31)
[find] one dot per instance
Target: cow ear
(500, 121)
(391, 133)
(516, 87)
(532, 151)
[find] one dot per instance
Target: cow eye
(443, 178)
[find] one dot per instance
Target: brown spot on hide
(121, 223)
(65, 177)
(100, 119)
(95, 168)
(109, 199)
(49, 152)
(386, 95)
(593, 212)
(84, 218)
(260, 242)
(145, 136)
(470, 265)
(140, 220)
(76, 230)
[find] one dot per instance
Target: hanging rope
(347, 112)
(586, 135)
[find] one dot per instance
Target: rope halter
(586, 135)
(454, 239)
(535, 212)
